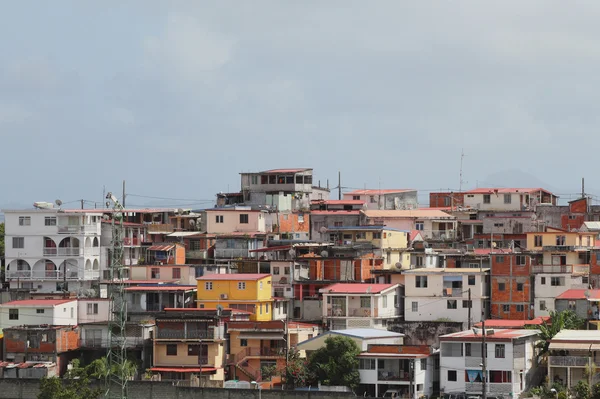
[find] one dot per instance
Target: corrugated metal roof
(39, 302)
(184, 233)
(357, 288)
(592, 225)
(161, 247)
(234, 276)
(415, 213)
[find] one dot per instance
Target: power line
(170, 199)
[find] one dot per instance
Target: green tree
(75, 385)
(565, 320)
(297, 373)
(581, 390)
(1, 240)
(336, 363)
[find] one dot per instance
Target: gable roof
(357, 288)
(505, 190)
(38, 302)
(576, 293)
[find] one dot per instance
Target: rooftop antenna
(462, 156)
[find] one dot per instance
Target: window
(208, 286)
(451, 304)
(519, 287)
(419, 226)
(537, 241)
(506, 308)
(365, 302)
(560, 240)
(171, 349)
(542, 305)
(176, 272)
(507, 198)
(13, 314)
(243, 342)
(39, 311)
(338, 224)
(543, 280)
(155, 273)
(241, 285)
(254, 179)
(585, 279)
(18, 242)
(499, 351)
(520, 308)
(377, 236)
(219, 219)
(415, 306)
(557, 281)
(500, 259)
(486, 200)
(244, 218)
(286, 270)
(467, 304)
(468, 349)
(501, 286)
(521, 260)
(275, 270)
(92, 308)
(471, 280)
(419, 260)
(384, 298)
(572, 305)
(267, 308)
(498, 224)
(452, 373)
(356, 197)
(50, 221)
(260, 285)
(372, 199)
(421, 281)
(24, 220)
(423, 364)
(498, 377)
(366, 364)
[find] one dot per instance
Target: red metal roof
(162, 288)
(133, 210)
(286, 170)
(513, 323)
(414, 234)
(38, 302)
(240, 234)
(184, 369)
(376, 192)
(336, 212)
(574, 294)
(338, 202)
(234, 276)
(357, 288)
(494, 251)
(161, 247)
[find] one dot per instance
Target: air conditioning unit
(223, 296)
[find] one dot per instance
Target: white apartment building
(571, 352)
(432, 294)
(510, 361)
(54, 312)
(50, 250)
(550, 285)
(508, 199)
(360, 305)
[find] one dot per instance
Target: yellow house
(559, 240)
(244, 291)
(392, 243)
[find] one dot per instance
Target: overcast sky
(179, 97)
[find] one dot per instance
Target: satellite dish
(105, 217)
(219, 310)
(180, 211)
(58, 202)
(323, 230)
(324, 254)
(192, 223)
(292, 252)
(398, 265)
(533, 217)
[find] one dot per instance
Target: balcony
(41, 275)
(385, 375)
(129, 242)
(361, 312)
(79, 229)
(197, 254)
(231, 253)
(568, 361)
(336, 312)
(160, 228)
(103, 343)
(181, 334)
(259, 352)
(53, 251)
(440, 235)
(552, 268)
(452, 292)
(558, 248)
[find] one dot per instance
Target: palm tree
(567, 319)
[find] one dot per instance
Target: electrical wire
(169, 199)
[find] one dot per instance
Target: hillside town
(487, 292)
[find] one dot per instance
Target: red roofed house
(385, 199)
(584, 302)
(147, 299)
(360, 305)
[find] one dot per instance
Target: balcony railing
(452, 292)
(568, 361)
(337, 312)
(53, 251)
(104, 342)
(41, 275)
(360, 312)
(558, 248)
(552, 268)
(78, 229)
(231, 253)
(259, 352)
(442, 235)
(197, 254)
(131, 241)
(170, 334)
(384, 375)
(160, 228)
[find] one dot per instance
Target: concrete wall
(29, 389)
(424, 332)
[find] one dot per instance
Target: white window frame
(24, 220)
(18, 242)
(241, 285)
(208, 285)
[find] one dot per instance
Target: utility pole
(411, 371)
(470, 305)
(339, 185)
(81, 204)
(484, 361)
(124, 194)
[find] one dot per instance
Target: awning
(161, 247)
(275, 336)
(573, 346)
(184, 369)
(184, 233)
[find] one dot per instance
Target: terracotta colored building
(511, 287)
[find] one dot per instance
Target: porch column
(347, 300)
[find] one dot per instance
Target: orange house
(165, 254)
(511, 286)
